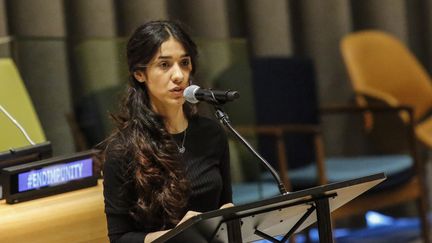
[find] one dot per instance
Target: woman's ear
(139, 75)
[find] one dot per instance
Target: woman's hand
(150, 237)
(227, 205)
(187, 216)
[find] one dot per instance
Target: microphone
(193, 94)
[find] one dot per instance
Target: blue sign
(55, 175)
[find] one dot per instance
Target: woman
(163, 163)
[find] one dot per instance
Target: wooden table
(76, 216)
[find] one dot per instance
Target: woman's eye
(185, 62)
(164, 65)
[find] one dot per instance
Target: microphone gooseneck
(194, 94)
(4, 111)
(223, 118)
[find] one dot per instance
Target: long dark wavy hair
(141, 139)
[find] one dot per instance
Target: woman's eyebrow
(170, 57)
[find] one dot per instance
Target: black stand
(279, 216)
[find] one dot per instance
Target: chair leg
(423, 214)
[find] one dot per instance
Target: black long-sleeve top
(206, 163)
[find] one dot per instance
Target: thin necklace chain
(182, 148)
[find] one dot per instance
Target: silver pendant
(182, 149)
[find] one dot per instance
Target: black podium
(279, 216)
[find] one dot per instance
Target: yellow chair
(381, 68)
(16, 101)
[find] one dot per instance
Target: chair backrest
(380, 66)
(285, 93)
(15, 99)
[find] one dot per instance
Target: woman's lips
(177, 91)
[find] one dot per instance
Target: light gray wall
(4, 32)
(269, 27)
(42, 59)
(133, 13)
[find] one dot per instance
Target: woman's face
(167, 75)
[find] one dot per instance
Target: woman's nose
(177, 75)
